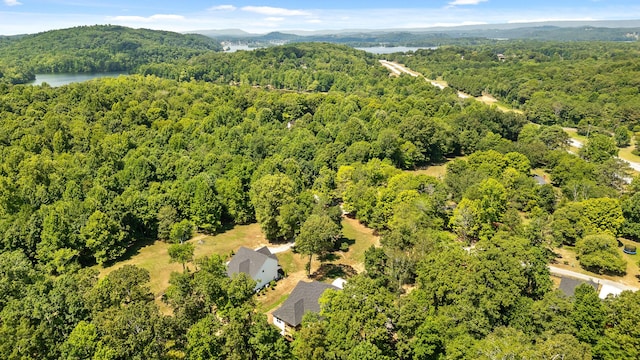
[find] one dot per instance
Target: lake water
(392, 49)
(56, 80)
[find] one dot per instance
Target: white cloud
(274, 19)
(152, 18)
(314, 21)
(466, 2)
(222, 8)
(12, 2)
(274, 11)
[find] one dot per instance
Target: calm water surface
(67, 78)
(392, 49)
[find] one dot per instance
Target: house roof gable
(304, 298)
(248, 261)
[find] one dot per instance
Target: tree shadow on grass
(343, 244)
(131, 251)
(333, 271)
(330, 256)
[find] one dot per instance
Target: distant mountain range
(615, 30)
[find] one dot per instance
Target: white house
(260, 264)
(304, 298)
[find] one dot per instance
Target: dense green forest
(572, 84)
(97, 48)
(282, 136)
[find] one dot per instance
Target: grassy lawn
(437, 171)
(155, 257)
(293, 266)
(569, 261)
(363, 238)
(625, 153)
(573, 133)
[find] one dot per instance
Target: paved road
(399, 69)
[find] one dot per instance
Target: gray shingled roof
(303, 298)
(265, 251)
(248, 261)
(539, 180)
(568, 285)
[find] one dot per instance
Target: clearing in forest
(154, 257)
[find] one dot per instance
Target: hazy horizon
(25, 16)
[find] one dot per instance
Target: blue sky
(29, 16)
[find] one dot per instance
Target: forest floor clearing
(342, 264)
(568, 261)
(398, 69)
(437, 171)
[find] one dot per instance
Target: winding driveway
(578, 144)
(608, 286)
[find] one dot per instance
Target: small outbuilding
(304, 298)
(261, 265)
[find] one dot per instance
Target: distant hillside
(95, 48)
(462, 35)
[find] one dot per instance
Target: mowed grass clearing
(437, 171)
(626, 153)
(155, 257)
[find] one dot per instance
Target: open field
(437, 171)
(491, 101)
(155, 257)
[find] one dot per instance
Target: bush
(344, 246)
